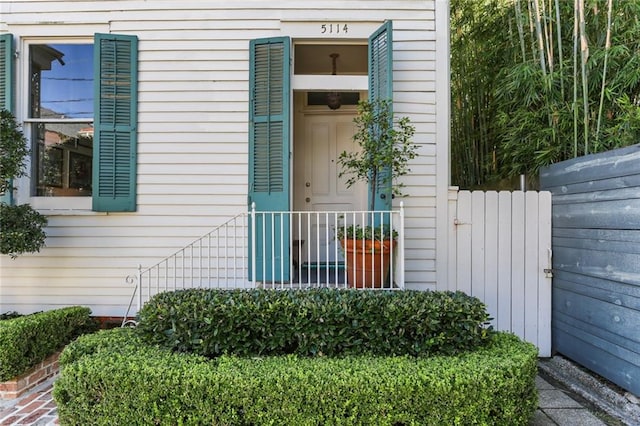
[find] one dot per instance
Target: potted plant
(385, 150)
(21, 227)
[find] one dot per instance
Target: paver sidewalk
(557, 407)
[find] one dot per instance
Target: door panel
(325, 137)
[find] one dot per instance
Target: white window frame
(47, 205)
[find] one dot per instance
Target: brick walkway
(36, 408)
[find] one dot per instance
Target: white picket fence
(500, 252)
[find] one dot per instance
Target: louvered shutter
(6, 72)
(381, 87)
(269, 148)
(115, 122)
(6, 90)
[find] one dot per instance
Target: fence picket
(464, 246)
(517, 263)
(531, 268)
(504, 258)
(478, 238)
(544, 281)
(491, 259)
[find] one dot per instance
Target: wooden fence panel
(502, 243)
(596, 247)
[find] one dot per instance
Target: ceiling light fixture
(334, 99)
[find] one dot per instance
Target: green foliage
(358, 232)
(517, 107)
(10, 315)
(21, 229)
(385, 148)
(314, 322)
(28, 340)
(125, 339)
(146, 385)
(13, 150)
(478, 52)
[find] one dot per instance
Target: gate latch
(548, 272)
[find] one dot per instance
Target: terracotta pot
(367, 262)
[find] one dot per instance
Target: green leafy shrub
(22, 229)
(28, 340)
(494, 384)
(314, 322)
(10, 315)
(13, 147)
(125, 339)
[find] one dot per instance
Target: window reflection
(61, 110)
(64, 154)
(61, 81)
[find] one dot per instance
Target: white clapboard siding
(500, 246)
(193, 95)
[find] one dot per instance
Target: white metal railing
(298, 249)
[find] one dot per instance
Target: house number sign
(335, 28)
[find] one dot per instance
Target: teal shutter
(381, 87)
(269, 148)
(6, 72)
(6, 91)
(115, 122)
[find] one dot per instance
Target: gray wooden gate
(499, 249)
(596, 262)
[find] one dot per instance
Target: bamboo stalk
(539, 37)
(584, 56)
(532, 31)
(560, 58)
(607, 45)
(518, 9)
(575, 78)
(546, 37)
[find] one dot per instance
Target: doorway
(320, 135)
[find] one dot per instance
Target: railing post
(253, 243)
(401, 247)
(139, 285)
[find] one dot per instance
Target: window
(61, 116)
(81, 117)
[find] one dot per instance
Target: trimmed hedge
(117, 383)
(28, 340)
(314, 322)
(124, 339)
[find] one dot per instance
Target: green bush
(10, 315)
(21, 229)
(314, 322)
(140, 384)
(125, 339)
(28, 340)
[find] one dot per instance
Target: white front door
(326, 136)
(318, 186)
